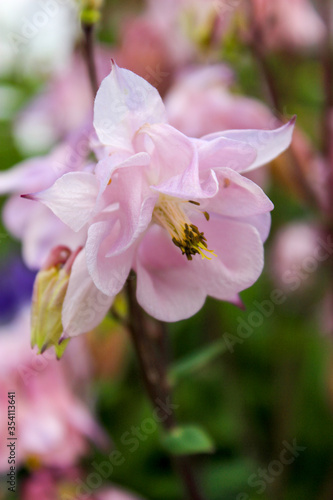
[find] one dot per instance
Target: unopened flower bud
(48, 296)
(90, 11)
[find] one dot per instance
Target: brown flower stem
(327, 113)
(88, 50)
(148, 338)
(257, 46)
(327, 66)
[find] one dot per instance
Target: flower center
(169, 214)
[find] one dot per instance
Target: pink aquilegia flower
(174, 209)
(44, 388)
(288, 25)
(69, 484)
(33, 224)
(201, 102)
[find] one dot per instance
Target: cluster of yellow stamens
(186, 236)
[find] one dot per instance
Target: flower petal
(262, 223)
(125, 102)
(109, 273)
(175, 166)
(85, 306)
(239, 260)
(106, 167)
(39, 229)
(171, 288)
(268, 143)
(72, 198)
(222, 152)
(167, 287)
(237, 196)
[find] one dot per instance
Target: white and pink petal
(85, 306)
(167, 287)
(72, 198)
(125, 102)
(267, 143)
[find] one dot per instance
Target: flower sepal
(49, 292)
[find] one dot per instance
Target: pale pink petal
(108, 273)
(39, 229)
(30, 175)
(171, 288)
(262, 222)
(174, 164)
(167, 287)
(109, 246)
(117, 160)
(223, 152)
(125, 102)
(268, 143)
(85, 306)
(72, 198)
(239, 260)
(16, 215)
(237, 196)
(135, 203)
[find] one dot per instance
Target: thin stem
(88, 48)
(327, 65)
(257, 45)
(149, 342)
(327, 68)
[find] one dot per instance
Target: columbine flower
(200, 102)
(174, 209)
(288, 25)
(44, 387)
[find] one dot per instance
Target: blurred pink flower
(61, 484)
(294, 257)
(63, 107)
(288, 24)
(150, 192)
(52, 424)
(144, 51)
(179, 29)
(34, 224)
(200, 102)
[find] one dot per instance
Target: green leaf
(196, 361)
(187, 440)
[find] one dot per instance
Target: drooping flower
(181, 30)
(44, 387)
(288, 25)
(201, 102)
(296, 254)
(175, 209)
(34, 224)
(69, 484)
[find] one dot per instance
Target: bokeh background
(258, 380)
